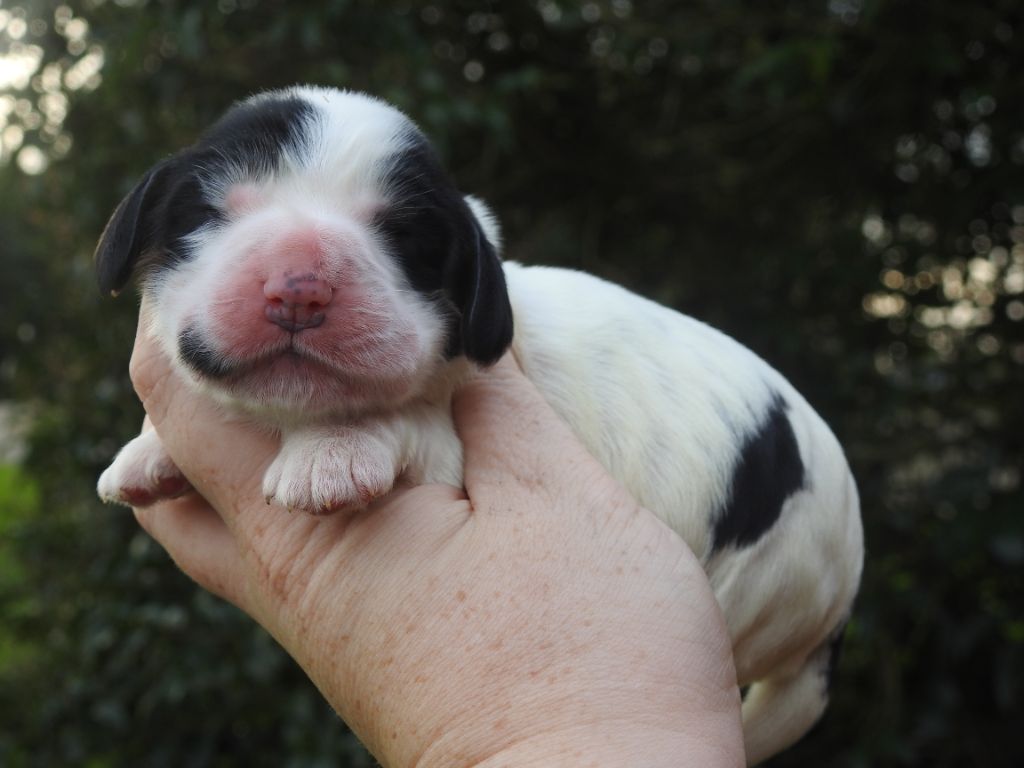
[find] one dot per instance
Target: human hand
(540, 617)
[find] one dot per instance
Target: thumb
(514, 439)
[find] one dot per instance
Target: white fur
(141, 465)
(662, 400)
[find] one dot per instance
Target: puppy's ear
(128, 232)
(479, 292)
(486, 219)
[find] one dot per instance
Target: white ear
(487, 221)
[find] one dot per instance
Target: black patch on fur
(167, 205)
(198, 356)
(768, 471)
(433, 235)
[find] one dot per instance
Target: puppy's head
(309, 254)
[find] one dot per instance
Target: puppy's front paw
(321, 472)
(141, 474)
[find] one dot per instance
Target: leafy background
(838, 184)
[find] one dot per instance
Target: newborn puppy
(307, 263)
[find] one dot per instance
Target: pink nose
(296, 301)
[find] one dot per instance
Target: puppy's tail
(778, 710)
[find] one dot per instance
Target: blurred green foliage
(19, 502)
(840, 185)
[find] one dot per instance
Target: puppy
(308, 263)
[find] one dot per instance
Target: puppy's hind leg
(777, 711)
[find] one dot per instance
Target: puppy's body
(309, 264)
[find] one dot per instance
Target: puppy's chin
(295, 381)
(293, 388)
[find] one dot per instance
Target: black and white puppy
(309, 263)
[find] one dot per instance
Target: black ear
(481, 296)
(128, 232)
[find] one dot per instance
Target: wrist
(606, 719)
(701, 740)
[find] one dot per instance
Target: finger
(149, 367)
(512, 435)
(199, 542)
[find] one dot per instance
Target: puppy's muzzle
(297, 302)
